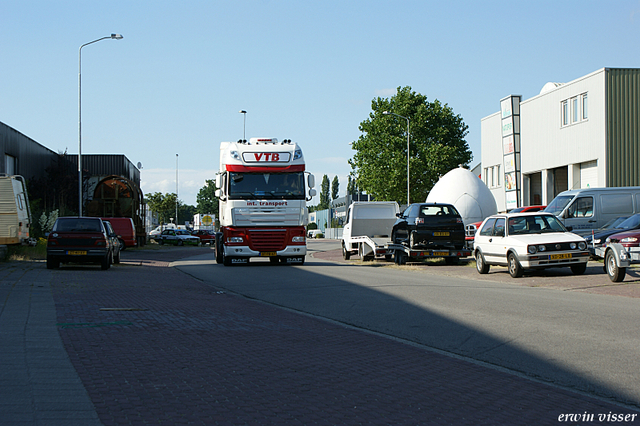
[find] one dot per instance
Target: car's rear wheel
(515, 270)
(180, 242)
(481, 266)
(106, 262)
(122, 246)
(116, 258)
(52, 263)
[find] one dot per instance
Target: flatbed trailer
(402, 254)
(617, 258)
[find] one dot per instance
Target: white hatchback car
(528, 241)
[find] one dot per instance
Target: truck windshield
(558, 204)
(282, 186)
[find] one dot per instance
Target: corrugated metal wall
(623, 127)
(32, 158)
(107, 164)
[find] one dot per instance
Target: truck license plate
(441, 253)
(268, 253)
(77, 253)
(560, 256)
(440, 234)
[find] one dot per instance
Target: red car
(206, 236)
(627, 238)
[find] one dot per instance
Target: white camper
(15, 213)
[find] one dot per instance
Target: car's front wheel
(579, 268)
(106, 262)
(515, 270)
(52, 263)
(481, 266)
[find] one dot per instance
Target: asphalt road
(583, 341)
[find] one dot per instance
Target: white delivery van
(591, 208)
(15, 213)
(368, 228)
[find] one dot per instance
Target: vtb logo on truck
(266, 157)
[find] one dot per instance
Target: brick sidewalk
(155, 346)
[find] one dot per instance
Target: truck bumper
(245, 251)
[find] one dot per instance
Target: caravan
(15, 213)
(591, 208)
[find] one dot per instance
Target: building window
(585, 110)
(575, 113)
(565, 113)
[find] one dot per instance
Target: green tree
(351, 186)
(335, 188)
(206, 199)
(324, 194)
(436, 146)
(164, 205)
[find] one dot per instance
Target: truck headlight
(298, 239)
(235, 239)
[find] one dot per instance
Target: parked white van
(591, 208)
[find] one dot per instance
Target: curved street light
(112, 36)
(406, 118)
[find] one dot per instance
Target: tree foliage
(436, 145)
(164, 205)
(324, 194)
(206, 199)
(335, 188)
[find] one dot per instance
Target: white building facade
(575, 135)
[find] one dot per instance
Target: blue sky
(305, 71)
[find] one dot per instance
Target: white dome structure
(467, 193)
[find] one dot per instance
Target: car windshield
(534, 224)
(632, 222)
(615, 222)
(286, 186)
(558, 204)
(438, 211)
(74, 224)
(182, 232)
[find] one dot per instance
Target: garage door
(589, 174)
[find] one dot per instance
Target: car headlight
(542, 248)
(582, 245)
(573, 246)
(629, 240)
(597, 241)
(532, 249)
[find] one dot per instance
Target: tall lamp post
(176, 189)
(244, 127)
(406, 118)
(112, 36)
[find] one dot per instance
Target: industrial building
(580, 134)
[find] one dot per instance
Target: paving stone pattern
(154, 346)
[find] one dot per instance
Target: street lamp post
(112, 36)
(176, 189)
(406, 118)
(244, 127)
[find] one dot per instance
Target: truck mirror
(312, 181)
(218, 182)
(218, 193)
(312, 192)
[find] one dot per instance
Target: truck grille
(267, 240)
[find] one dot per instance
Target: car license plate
(268, 253)
(440, 234)
(441, 253)
(77, 253)
(560, 256)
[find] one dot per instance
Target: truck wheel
(346, 254)
(481, 266)
(579, 269)
(226, 260)
(515, 270)
(616, 274)
(219, 253)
